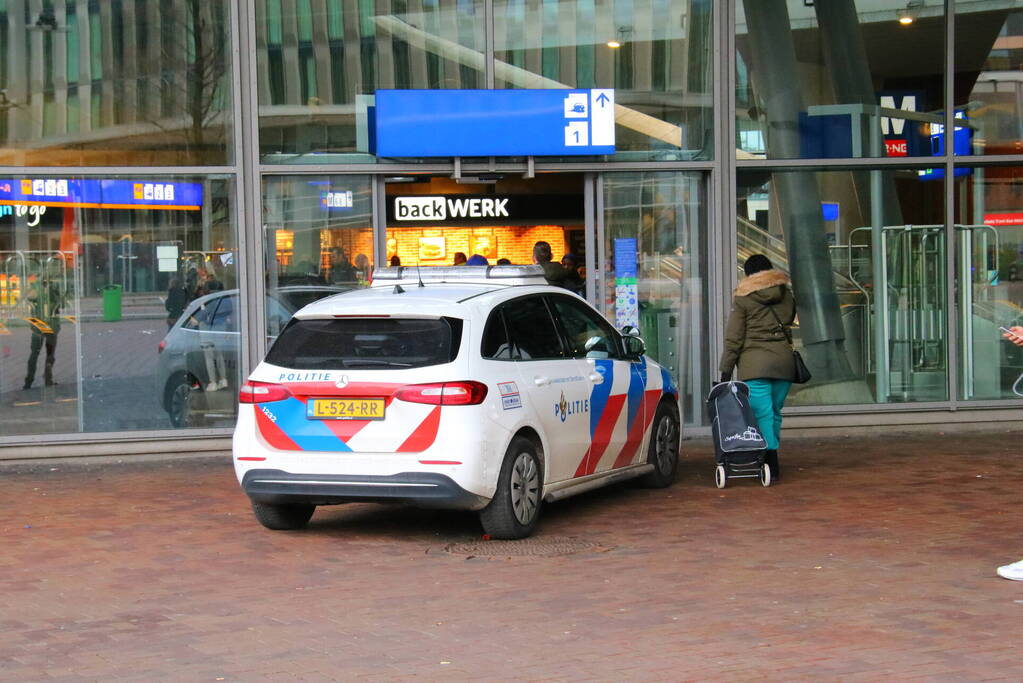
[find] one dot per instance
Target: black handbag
(802, 373)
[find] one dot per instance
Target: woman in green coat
(757, 344)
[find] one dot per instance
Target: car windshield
(380, 343)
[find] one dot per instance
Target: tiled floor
(872, 560)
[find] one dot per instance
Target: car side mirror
(634, 346)
(630, 331)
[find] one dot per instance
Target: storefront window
(814, 79)
(655, 277)
(658, 59)
(144, 83)
(321, 63)
(318, 240)
(843, 236)
(497, 221)
(989, 78)
(989, 232)
(118, 304)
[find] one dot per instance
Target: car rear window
(339, 343)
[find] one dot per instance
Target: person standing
(756, 342)
(341, 269)
(46, 298)
(177, 300)
(555, 273)
(1014, 571)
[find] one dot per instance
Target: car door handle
(596, 378)
(541, 381)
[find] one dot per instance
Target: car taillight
(161, 346)
(262, 392)
(466, 393)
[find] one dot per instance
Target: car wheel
(181, 402)
(515, 507)
(664, 446)
(283, 517)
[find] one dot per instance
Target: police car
(474, 387)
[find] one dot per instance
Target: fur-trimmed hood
(765, 279)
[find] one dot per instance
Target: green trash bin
(111, 303)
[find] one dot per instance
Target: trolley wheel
(765, 474)
(720, 477)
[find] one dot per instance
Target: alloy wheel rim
(525, 488)
(182, 400)
(665, 439)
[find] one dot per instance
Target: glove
(726, 377)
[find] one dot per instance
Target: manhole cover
(541, 546)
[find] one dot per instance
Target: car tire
(515, 508)
(283, 517)
(182, 393)
(664, 448)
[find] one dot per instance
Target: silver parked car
(197, 375)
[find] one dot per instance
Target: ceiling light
(907, 15)
(613, 43)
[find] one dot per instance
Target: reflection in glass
(988, 78)
(813, 78)
(318, 241)
(654, 278)
(990, 243)
(319, 65)
(840, 248)
(658, 62)
(113, 292)
(141, 83)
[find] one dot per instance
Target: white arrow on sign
(602, 117)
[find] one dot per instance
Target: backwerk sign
(466, 123)
(491, 209)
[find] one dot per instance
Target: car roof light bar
(503, 275)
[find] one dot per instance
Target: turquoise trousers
(767, 396)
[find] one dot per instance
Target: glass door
(651, 259)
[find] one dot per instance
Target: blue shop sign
(468, 123)
(95, 193)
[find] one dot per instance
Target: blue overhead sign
(471, 123)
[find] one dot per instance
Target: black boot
(771, 458)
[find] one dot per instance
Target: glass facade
(871, 148)
(819, 228)
(823, 79)
(110, 308)
(652, 54)
(133, 83)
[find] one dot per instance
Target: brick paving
(872, 560)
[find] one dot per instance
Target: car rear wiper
(355, 362)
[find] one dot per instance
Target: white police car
(473, 387)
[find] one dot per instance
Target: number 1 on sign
(577, 134)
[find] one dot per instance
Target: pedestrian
(555, 273)
(1014, 571)
(573, 280)
(477, 260)
(177, 300)
(46, 297)
(460, 258)
(341, 269)
(756, 343)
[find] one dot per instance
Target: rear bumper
(424, 489)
